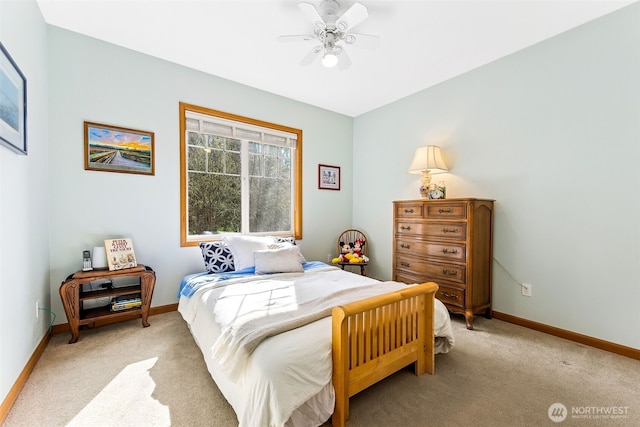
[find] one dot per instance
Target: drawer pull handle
(405, 264)
(449, 272)
(409, 211)
(450, 251)
(449, 230)
(448, 295)
(405, 246)
(405, 227)
(448, 210)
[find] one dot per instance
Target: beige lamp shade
(427, 160)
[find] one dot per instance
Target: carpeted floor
(499, 374)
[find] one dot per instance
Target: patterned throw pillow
(217, 257)
(291, 240)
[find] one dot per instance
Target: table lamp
(426, 161)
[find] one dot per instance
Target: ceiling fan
(333, 33)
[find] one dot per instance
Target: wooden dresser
(449, 242)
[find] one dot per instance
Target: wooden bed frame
(375, 337)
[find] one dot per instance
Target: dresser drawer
(446, 230)
(450, 210)
(432, 270)
(448, 251)
(410, 210)
(451, 296)
(448, 295)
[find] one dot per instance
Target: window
(237, 175)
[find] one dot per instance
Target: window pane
(216, 161)
(270, 197)
(197, 159)
(214, 203)
(270, 205)
(270, 167)
(232, 162)
(255, 165)
(284, 167)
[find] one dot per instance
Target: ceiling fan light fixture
(332, 32)
(329, 59)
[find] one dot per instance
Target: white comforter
(287, 377)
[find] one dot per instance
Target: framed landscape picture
(115, 149)
(328, 177)
(13, 104)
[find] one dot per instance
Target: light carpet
(499, 374)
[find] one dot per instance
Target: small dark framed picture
(328, 177)
(13, 104)
(115, 149)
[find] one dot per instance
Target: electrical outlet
(38, 308)
(329, 258)
(526, 289)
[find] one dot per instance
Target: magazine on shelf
(126, 306)
(126, 298)
(120, 254)
(125, 302)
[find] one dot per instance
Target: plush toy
(351, 253)
(346, 253)
(358, 256)
(358, 245)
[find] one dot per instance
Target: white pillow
(284, 260)
(243, 247)
(281, 245)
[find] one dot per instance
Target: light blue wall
(100, 82)
(24, 201)
(552, 133)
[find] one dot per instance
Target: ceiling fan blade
(312, 13)
(366, 41)
(296, 38)
(352, 17)
(344, 61)
(313, 54)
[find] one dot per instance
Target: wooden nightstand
(73, 296)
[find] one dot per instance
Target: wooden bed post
(340, 356)
(427, 359)
(377, 336)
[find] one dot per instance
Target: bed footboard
(375, 337)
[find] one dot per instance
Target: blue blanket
(192, 282)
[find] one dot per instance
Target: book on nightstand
(120, 254)
(126, 302)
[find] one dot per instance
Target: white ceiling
(422, 42)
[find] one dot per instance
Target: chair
(352, 236)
